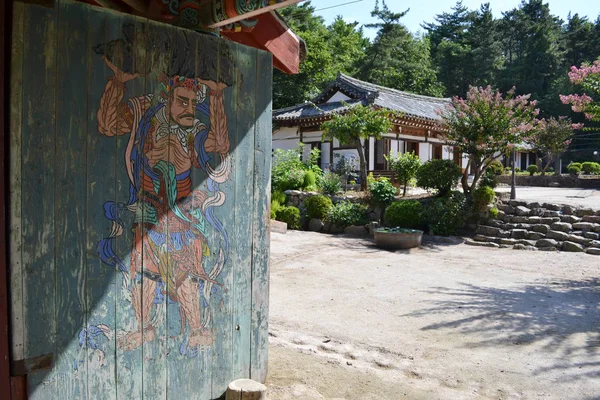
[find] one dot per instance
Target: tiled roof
(411, 105)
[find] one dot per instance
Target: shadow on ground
(563, 317)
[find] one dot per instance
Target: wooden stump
(246, 389)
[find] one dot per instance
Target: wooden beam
(271, 7)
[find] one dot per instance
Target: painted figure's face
(182, 107)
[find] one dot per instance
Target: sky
(425, 10)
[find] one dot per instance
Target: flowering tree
(485, 125)
(553, 138)
(588, 77)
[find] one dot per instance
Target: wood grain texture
(38, 193)
(262, 200)
(15, 239)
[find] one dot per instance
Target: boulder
(315, 225)
(482, 238)
(584, 226)
(356, 230)
(571, 219)
(501, 215)
(582, 212)
(562, 226)
(597, 228)
(481, 244)
(579, 239)
(526, 242)
(519, 219)
(538, 212)
(541, 228)
(592, 218)
(551, 213)
(508, 209)
(488, 230)
(524, 226)
(336, 229)
(534, 220)
(546, 243)
(522, 211)
(572, 247)
(535, 236)
(557, 235)
(593, 251)
(504, 234)
(547, 249)
(518, 234)
(535, 204)
(568, 210)
(520, 246)
(278, 226)
(591, 235)
(517, 203)
(494, 223)
(552, 206)
(508, 241)
(549, 220)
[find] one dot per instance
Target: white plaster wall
(339, 96)
(371, 153)
(447, 153)
(424, 152)
(394, 147)
(286, 138)
(308, 137)
(305, 153)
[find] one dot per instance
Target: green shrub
(489, 179)
(279, 196)
(507, 169)
(589, 167)
(494, 213)
(575, 164)
(345, 214)
(289, 215)
(331, 183)
(444, 216)
(291, 180)
(517, 169)
(532, 169)
(495, 168)
(405, 166)
(550, 170)
(573, 169)
(404, 214)
(482, 196)
(275, 206)
(309, 180)
(382, 191)
(318, 206)
(439, 175)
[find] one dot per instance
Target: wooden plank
(70, 194)
(16, 119)
(98, 347)
(242, 262)
(38, 192)
(261, 216)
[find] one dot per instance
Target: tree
(355, 127)
(405, 166)
(553, 139)
(485, 124)
(588, 77)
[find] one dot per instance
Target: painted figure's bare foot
(133, 340)
(200, 337)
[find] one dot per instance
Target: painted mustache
(186, 116)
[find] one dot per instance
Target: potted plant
(398, 238)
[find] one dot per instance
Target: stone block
(546, 243)
(506, 241)
(595, 243)
(552, 206)
(278, 226)
(510, 226)
(315, 225)
(547, 249)
(571, 219)
(535, 204)
(481, 244)
(549, 220)
(520, 246)
(542, 228)
(562, 226)
(501, 215)
(568, 210)
(534, 220)
(597, 228)
(508, 209)
(584, 226)
(535, 236)
(526, 242)
(582, 212)
(495, 223)
(572, 247)
(595, 251)
(521, 219)
(517, 203)
(524, 226)
(518, 234)
(557, 235)
(522, 211)
(580, 239)
(504, 234)
(591, 235)
(488, 230)
(538, 212)
(591, 218)
(356, 230)
(551, 213)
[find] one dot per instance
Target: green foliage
(482, 196)
(552, 139)
(589, 167)
(382, 191)
(445, 215)
(489, 179)
(318, 206)
(275, 206)
(573, 169)
(495, 168)
(532, 169)
(344, 214)
(331, 184)
(517, 169)
(438, 175)
(290, 215)
(405, 214)
(576, 165)
(309, 180)
(494, 213)
(287, 172)
(405, 166)
(279, 196)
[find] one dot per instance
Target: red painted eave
(272, 34)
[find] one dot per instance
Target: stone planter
(397, 239)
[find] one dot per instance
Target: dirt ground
(447, 321)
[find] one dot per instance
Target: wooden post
(246, 389)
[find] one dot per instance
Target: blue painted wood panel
(145, 155)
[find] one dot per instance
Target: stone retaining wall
(535, 226)
(565, 180)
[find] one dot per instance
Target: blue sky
(425, 10)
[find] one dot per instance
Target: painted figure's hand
(121, 76)
(213, 86)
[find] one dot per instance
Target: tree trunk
(465, 178)
(557, 170)
(404, 193)
(363, 164)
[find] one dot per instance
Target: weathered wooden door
(140, 159)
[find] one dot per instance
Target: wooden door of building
(140, 163)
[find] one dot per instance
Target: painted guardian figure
(172, 216)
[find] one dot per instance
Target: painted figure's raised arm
(115, 116)
(218, 136)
